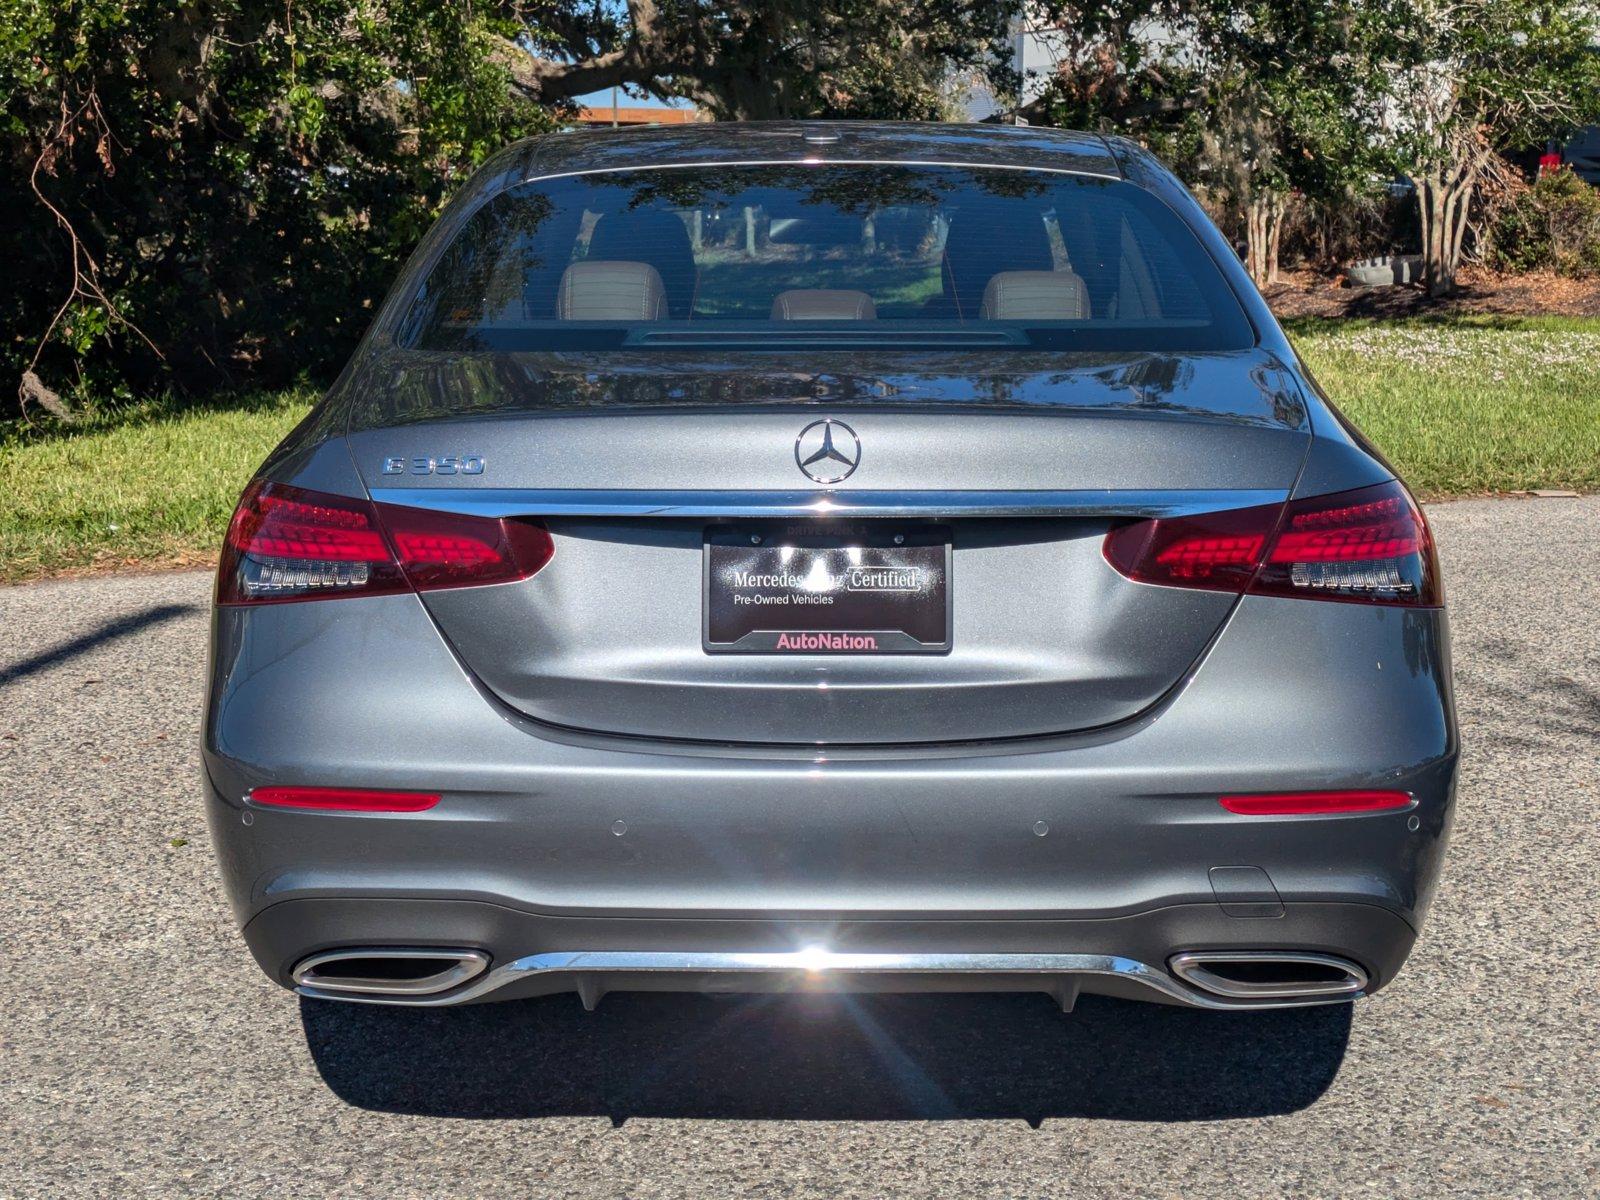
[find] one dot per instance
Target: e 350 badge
(465, 464)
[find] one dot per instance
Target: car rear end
(1031, 625)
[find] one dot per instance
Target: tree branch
(85, 282)
(642, 58)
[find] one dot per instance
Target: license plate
(799, 590)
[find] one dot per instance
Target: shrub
(1554, 224)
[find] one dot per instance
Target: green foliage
(1465, 80)
(1242, 99)
(1554, 225)
(234, 181)
(1120, 69)
(1254, 99)
(1446, 76)
(761, 59)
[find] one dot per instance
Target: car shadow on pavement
(826, 1057)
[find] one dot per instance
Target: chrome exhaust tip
(1269, 974)
(388, 971)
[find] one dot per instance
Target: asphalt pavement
(143, 1054)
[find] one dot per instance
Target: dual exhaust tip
(394, 972)
(1269, 974)
(399, 974)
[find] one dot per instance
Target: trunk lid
(1024, 471)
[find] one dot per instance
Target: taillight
(1371, 545)
(287, 543)
(1220, 551)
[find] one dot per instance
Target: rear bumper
(1108, 845)
(536, 955)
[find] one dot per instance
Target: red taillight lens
(446, 550)
(1220, 551)
(1305, 804)
(1370, 545)
(287, 543)
(343, 799)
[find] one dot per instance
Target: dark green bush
(214, 195)
(1554, 225)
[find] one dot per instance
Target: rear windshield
(773, 257)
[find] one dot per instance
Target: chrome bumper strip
(580, 502)
(818, 966)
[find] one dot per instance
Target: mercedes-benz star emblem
(827, 450)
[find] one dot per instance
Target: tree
(1124, 66)
(214, 192)
(766, 58)
(1250, 102)
(1244, 158)
(1284, 94)
(1459, 81)
(208, 193)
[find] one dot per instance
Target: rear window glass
(771, 257)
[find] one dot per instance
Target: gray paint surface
(144, 1054)
(1045, 637)
(793, 831)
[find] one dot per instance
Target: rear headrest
(654, 236)
(821, 304)
(987, 235)
(610, 291)
(1035, 296)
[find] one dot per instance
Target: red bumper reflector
(343, 799)
(1302, 804)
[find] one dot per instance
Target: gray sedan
(756, 557)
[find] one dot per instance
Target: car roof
(825, 141)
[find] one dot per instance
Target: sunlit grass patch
(1469, 406)
(151, 485)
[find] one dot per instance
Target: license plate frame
(852, 589)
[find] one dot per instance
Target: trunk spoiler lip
(1138, 503)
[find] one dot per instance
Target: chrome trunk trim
(578, 969)
(583, 502)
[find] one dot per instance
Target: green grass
(153, 484)
(1470, 405)
(1462, 407)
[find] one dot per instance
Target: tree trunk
(1443, 200)
(1263, 224)
(1275, 238)
(1438, 275)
